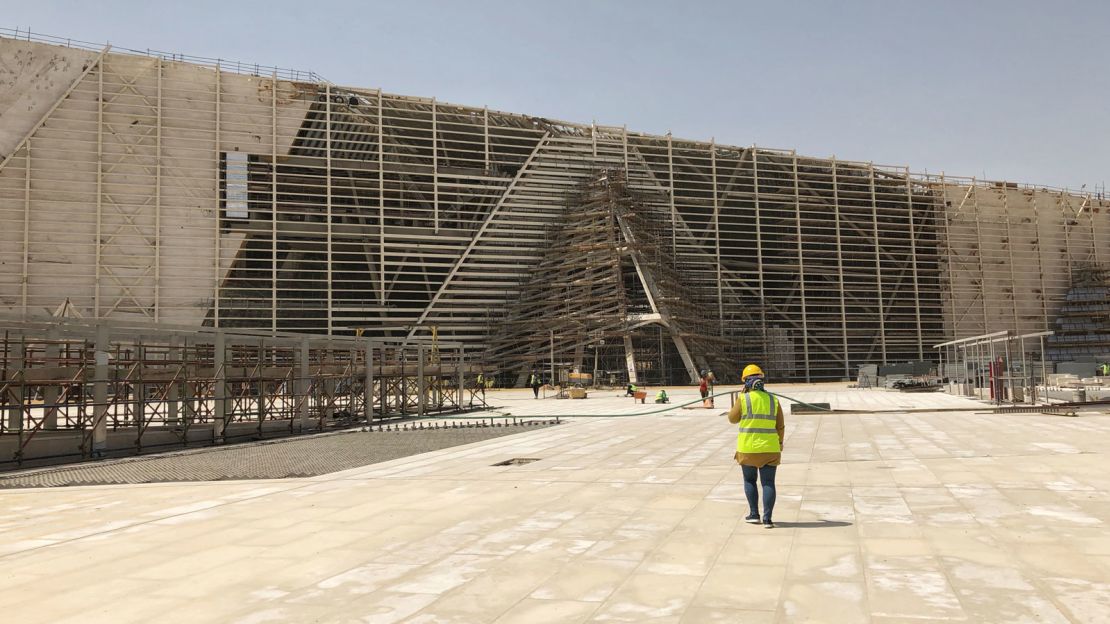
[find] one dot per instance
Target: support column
(552, 345)
(261, 381)
(219, 213)
(630, 359)
(368, 384)
(421, 383)
(219, 388)
(878, 260)
(717, 238)
(25, 278)
(381, 208)
(801, 262)
(1044, 372)
(139, 387)
(485, 136)
(1009, 373)
(100, 391)
(435, 169)
(979, 255)
(1091, 220)
(16, 363)
(329, 257)
(328, 382)
(579, 356)
(51, 392)
(100, 192)
(273, 204)
(1013, 276)
(913, 268)
(460, 364)
(763, 347)
(303, 385)
(1046, 323)
(992, 379)
(840, 274)
(189, 388)
(174, 390)
(684, 353)
(158, 200)
(670, 194)
(402, 384)
(950, 259)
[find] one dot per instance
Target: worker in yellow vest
(535, 382)
(480, 385)
(759, 442)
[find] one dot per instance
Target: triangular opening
(608, 297)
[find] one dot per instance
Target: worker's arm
(734, 413)
(780, 425)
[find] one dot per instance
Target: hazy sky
(1012, 90)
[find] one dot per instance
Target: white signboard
(235, 186)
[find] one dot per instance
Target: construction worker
(661, 396)
(711, 382)
(1104, 370)
(759, 442)
(534, 382)
(631, 391)
(479, 384)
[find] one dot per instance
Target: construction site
(189, 195)
(273, 334)
(194, 192)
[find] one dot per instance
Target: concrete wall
(1010, 252)
(138, 172)
(114, 206)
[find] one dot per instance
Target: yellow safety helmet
(749, 370)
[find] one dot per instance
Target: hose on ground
(504, 414)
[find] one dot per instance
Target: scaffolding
(75, 388)
(607, 276)
(1000, 367)
(169, 189)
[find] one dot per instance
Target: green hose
(502, 414)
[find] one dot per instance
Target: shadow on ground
(820, 524)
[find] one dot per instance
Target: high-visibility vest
(481, 380)
(532, 381)
(757, 424)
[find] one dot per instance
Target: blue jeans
(767, 478)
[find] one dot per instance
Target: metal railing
(996, 367)
(226, 65)
(77, 387)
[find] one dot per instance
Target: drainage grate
(516, 461)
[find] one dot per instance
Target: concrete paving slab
(906, 516)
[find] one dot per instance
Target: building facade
(195, 192)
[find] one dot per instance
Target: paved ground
(307, 456)
(893, 517)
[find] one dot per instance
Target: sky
(1007, 90)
